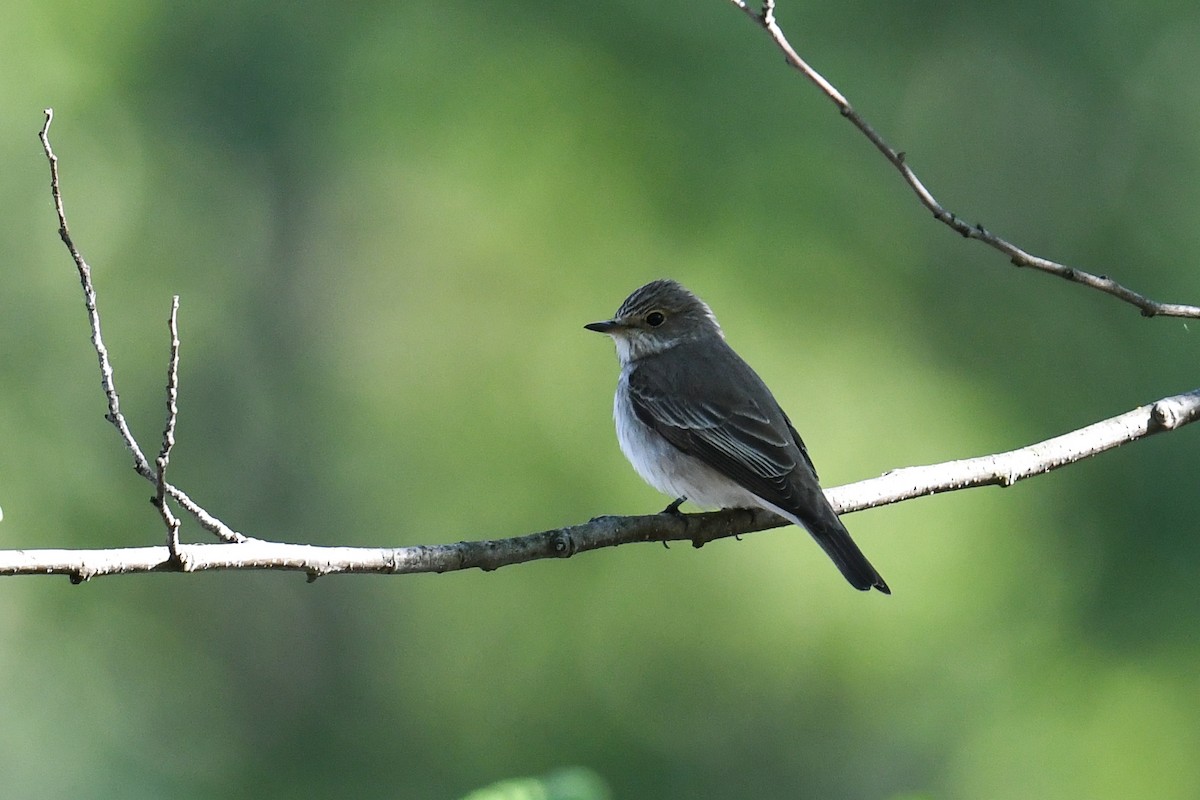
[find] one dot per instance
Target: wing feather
(735, 426)
(738, 430)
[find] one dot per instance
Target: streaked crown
(669, 297)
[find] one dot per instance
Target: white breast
(668, 469)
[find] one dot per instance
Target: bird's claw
(673, 508)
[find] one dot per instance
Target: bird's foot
(673, 508)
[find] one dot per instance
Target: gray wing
(734, 425)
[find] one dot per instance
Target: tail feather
(835, 540)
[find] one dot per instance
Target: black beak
(608, 326)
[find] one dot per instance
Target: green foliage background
(387, 223)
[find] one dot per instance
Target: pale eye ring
(655, 318)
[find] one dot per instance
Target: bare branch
(1001, 469)
(114, 415)
(1005, 469)
(1018, 257)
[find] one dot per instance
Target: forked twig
(114, 415)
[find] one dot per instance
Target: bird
(698, 424)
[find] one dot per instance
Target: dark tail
(835, 540)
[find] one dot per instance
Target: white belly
(668, 469)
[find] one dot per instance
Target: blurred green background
(388, 223)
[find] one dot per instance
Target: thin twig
(168, 436)
(114, 415)
(169, 519)
(1002, 469)
(1018, 257)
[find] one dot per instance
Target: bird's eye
(655, 318)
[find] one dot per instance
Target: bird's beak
(607, 326)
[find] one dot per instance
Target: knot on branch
(81, 575)
(1166, 415)
(561, 544)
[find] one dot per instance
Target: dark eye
(655, 318)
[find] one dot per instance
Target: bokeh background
(388, 222)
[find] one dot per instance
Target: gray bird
(698, 424)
